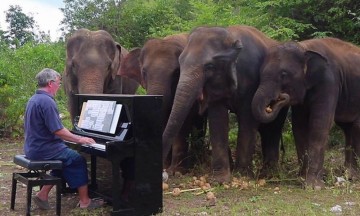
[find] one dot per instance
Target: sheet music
(115, 118)
(97, 115)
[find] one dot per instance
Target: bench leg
(24, 178)
(28, 202)
(58, 197)
(13, 192)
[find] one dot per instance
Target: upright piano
(133, 145)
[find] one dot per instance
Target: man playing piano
(44, 140)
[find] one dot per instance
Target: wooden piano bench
(36, 176)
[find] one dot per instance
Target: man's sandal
(41, 204)
(94, 203)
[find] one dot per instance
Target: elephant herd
(211, 71)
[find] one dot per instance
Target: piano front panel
(142, 146)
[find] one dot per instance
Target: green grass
(281, 198)
(283, 195)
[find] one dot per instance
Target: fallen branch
(204, 191)
(281, 180)
(186, 190)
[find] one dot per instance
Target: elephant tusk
(274, 103)
(268, 109)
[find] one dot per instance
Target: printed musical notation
(99, 115)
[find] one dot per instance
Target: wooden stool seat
(36, 176)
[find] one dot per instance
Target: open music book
(100, 115)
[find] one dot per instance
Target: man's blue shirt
(40, 122)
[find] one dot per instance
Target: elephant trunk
(187, 91)
(92, 84)
(265, 108)
(157, 88)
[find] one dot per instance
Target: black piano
(132, 148)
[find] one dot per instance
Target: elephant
(319, 79)
(220, 68)
(157, 68)
(93, 61)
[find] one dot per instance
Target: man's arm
(65, 134)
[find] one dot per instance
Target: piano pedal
(128, 187)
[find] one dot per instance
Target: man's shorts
(74, 168)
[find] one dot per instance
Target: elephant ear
(72, 46)
(230, 55)
(115, 65)
(130, 66)
(315, 67)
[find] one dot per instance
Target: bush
(17, 80)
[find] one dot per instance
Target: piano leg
(93, 184)
(119, 205)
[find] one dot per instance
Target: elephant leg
(300, 131)
(198, 148)
(192, 132)
(167, 162)
(219, 129)
(355, 153)
(319, 128)
(349, 150)
(179, 154)
(270, 139)
(245, 148)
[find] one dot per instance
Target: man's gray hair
(45, 76)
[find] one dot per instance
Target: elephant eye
(209, 67)
(73, 67)
(144, 73)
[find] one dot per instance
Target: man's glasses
(59, 84)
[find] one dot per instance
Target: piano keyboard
(97, 146)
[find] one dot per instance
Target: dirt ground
(11, 147)
(283, 197)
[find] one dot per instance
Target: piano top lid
(122, 95)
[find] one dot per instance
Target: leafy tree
(339, 19)
(141, 20)
(20, 26)
(91, 14)
(129, 22)
(305, 19)
(4, 41)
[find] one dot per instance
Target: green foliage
(21, 26)
(22, 29)
(133, 22)
(233, 130)
(144, 19)
(275, 19)
(140, 91)
(93, 14)
(336, 137)
(17, 80)
(304, 19)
